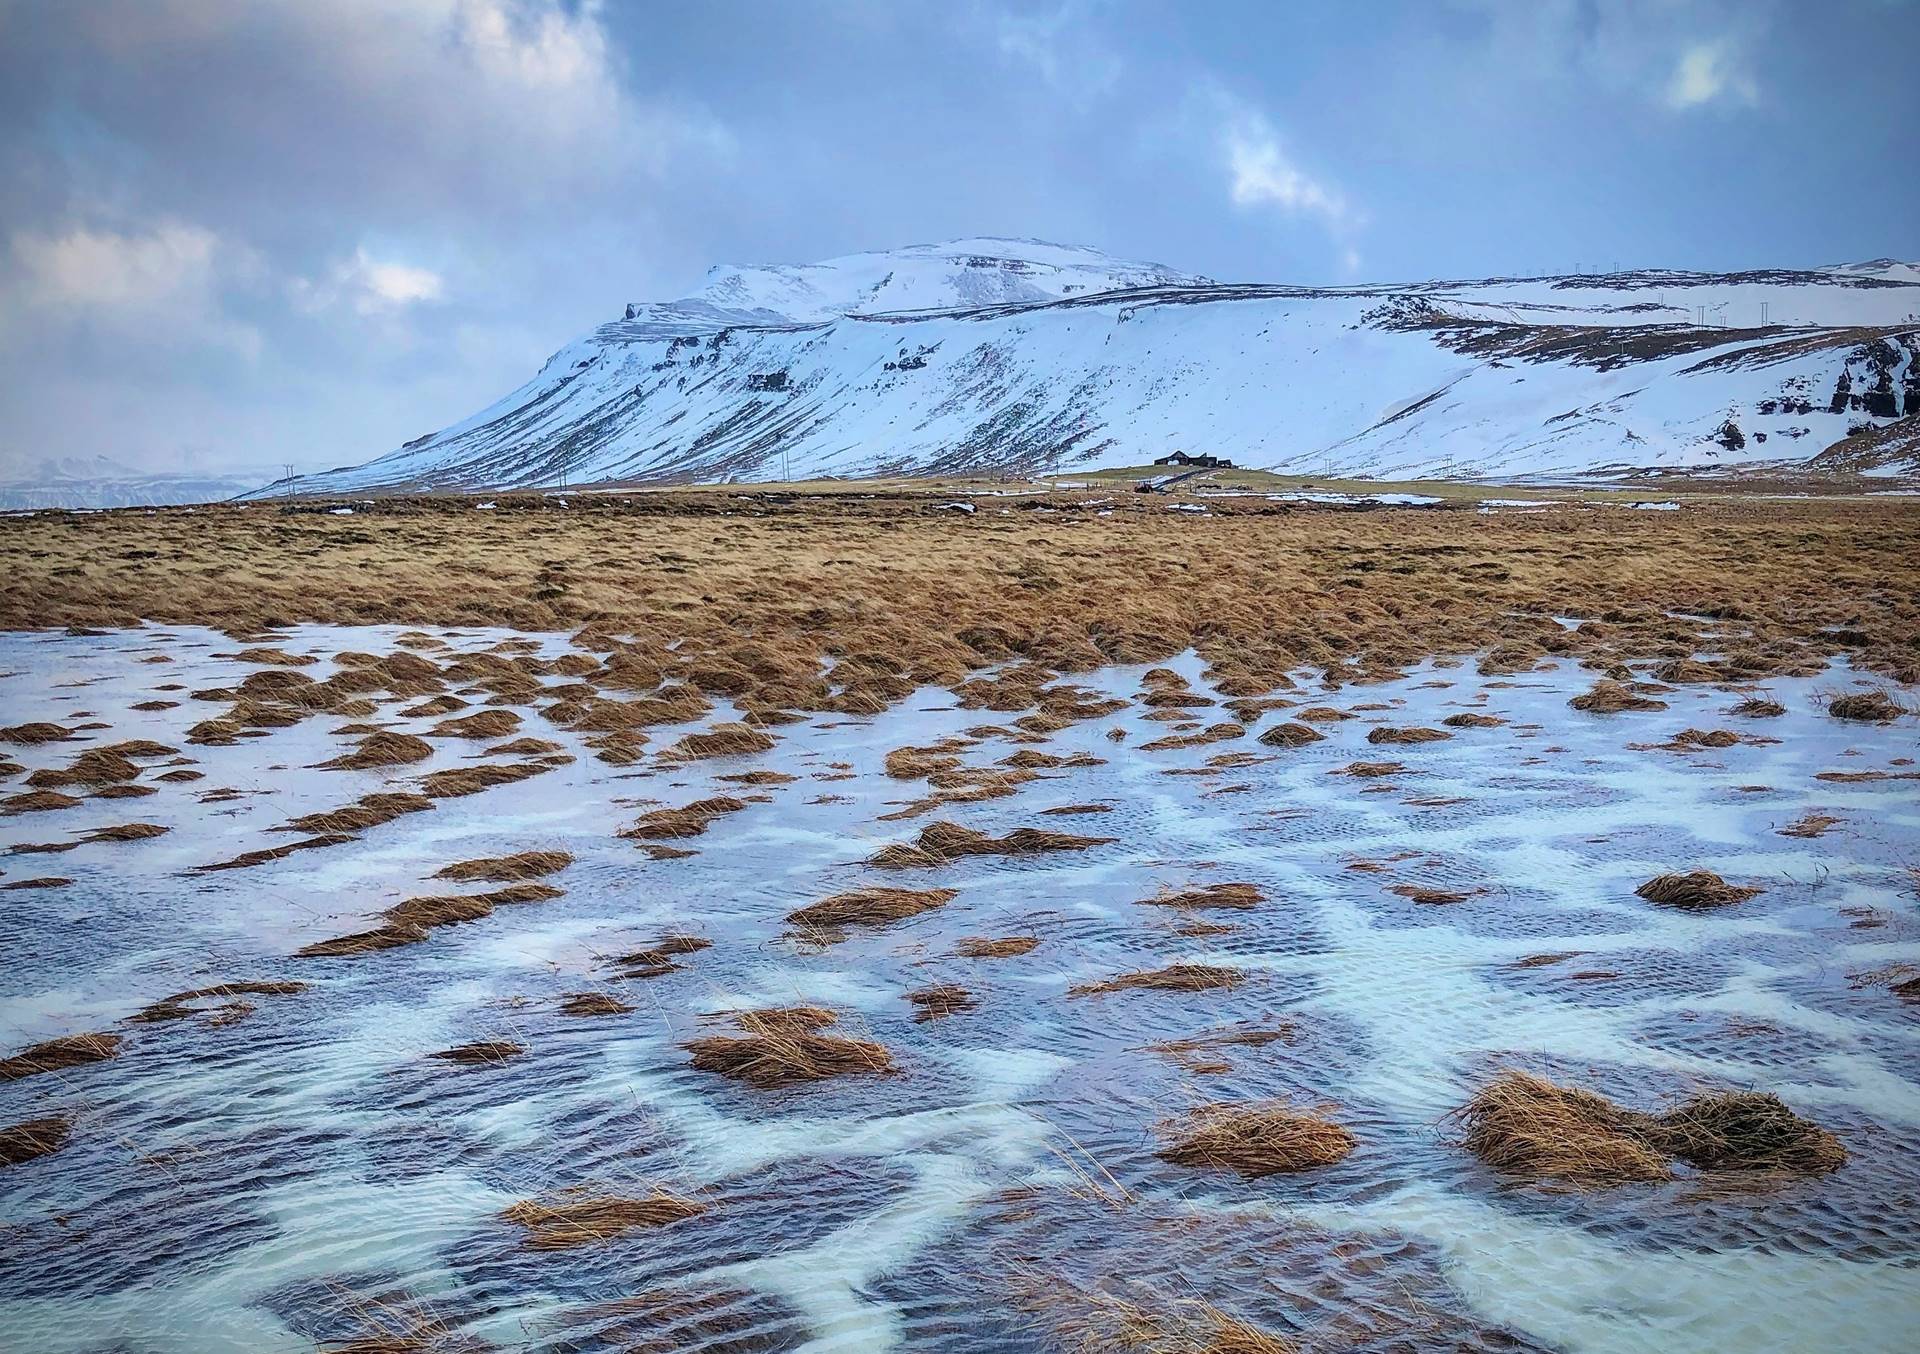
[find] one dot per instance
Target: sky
(237, 235)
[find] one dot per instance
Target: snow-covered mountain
(999, 354)
(101, 482)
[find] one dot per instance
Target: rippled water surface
(301, 1173)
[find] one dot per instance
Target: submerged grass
(1526, 1125)
(1256, 1138)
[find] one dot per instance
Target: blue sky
(248, 234)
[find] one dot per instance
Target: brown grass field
(894, 587)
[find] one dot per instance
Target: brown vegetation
(56, 1055)
(1209, 895)
(990, 947)
(581, 1221)
(689, 820)
(1174, 978)
(904, 597)
(939, 1001)
(1291, 735)
(1697, 889)
(34, 1138)
(501, 869)
(943, 841)
(784, 1047)
(871, 907)
(1256, 1139)
(385, 748)
(1609, 697)
(1526, 1125)
(1385, 734)
(1867, 707)
(490, 1052)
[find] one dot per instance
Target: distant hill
(99, 482)
(987, 355)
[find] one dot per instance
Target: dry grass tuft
(571, 1222)
(940, 1001)
(689, 820)
(1291, 735)
(1420, 893)
(56, 1055)
(1758, 706)
(1256, 1139)
(1867, 707)
(37, 801)
(1369, 770)
(1174, 978)
(1466, 719)
(471, 780)
(1810, 825)
(182, 1005)
(36, 733)
(722, 740)
(500, 869)
(784, 1047)
(362, 942)
(1209, 895)
(592, 1004)
(385, 748)
(481, 724)
(1611, 698)
(1527, 1125)
(489, 1052)
(1697, 889)
(1385, 734)
(1088, 1321)
(990, 947)
(34, 1138)
(871, 907)
(369, 811)
(127, 832)
(942, 841)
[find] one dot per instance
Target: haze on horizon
(238, 236)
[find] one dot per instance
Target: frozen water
(266, 1183)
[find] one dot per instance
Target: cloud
(163, 285)
(85, 269)
(1261, 172)
(369, 285)
(1707, 72)
(1059, 43)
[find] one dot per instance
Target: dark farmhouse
(1204, 462)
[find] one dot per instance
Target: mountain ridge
(991, 354)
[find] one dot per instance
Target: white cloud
(165, 281)
(1262, 172)
(83, 268)
(369, 285)
(1710, 71)
(1059, 43)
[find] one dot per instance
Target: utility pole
(289, 479)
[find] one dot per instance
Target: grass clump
(57, 1055)
(939, 1001)
(1527, 1125)
(376, 750)
(1291, 735)
(592, 1004)
(1609, 697)
(722, 740)
(689, 820)
(1173, 978)
(1258, 1138)
(785, 1046)
(1209, 895)
(488, 1052)
(567, 1223)
(1695, 889)
(501, 869)
(471, 780)
(34, 1138)
(1866, 707)
(871, 907)
(1466, 719)
(1758, 706)
(1385, 734)
(994, 947)
(942, 841)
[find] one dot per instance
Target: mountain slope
(989, 354)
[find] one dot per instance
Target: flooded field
(541, 1027)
